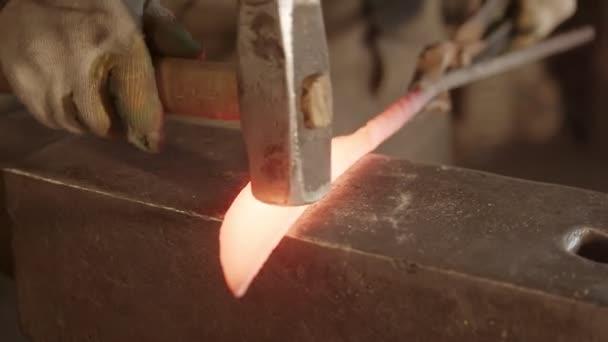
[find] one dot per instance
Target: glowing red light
(251, 229)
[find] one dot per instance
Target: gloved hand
(536, 19)
(84, 65)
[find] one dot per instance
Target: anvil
(114, 245)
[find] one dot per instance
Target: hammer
(280, 91)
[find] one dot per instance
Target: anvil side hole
(591, 245)
(595, 249)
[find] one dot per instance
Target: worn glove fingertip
(150, 142)
(142, 118)
(67, 115)
(134, 93)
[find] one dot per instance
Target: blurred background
(543, 122)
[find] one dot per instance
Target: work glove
(533, 20)
(84, 66)
(536, 19)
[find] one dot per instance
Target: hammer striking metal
(285, 99)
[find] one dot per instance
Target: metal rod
(484, 69)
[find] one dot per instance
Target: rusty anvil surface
(115, 245)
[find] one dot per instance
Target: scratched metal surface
(438, 206)
(498, 228)
(20, 135)
(9, 329)
(397, 249)
(199, 170)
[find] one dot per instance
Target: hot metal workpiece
(114, 245)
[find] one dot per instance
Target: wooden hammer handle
(191, 88)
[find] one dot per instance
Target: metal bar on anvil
(115, 245)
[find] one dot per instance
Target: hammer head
(285, 99)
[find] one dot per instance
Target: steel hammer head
(285, 99)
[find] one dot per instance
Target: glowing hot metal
(251, 229)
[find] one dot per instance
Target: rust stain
(266, 44)
(275, 162)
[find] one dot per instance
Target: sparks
(252, 229)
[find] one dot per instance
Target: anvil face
(106, 238)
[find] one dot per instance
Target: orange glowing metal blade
(251, 229)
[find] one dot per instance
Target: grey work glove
(83, 65)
